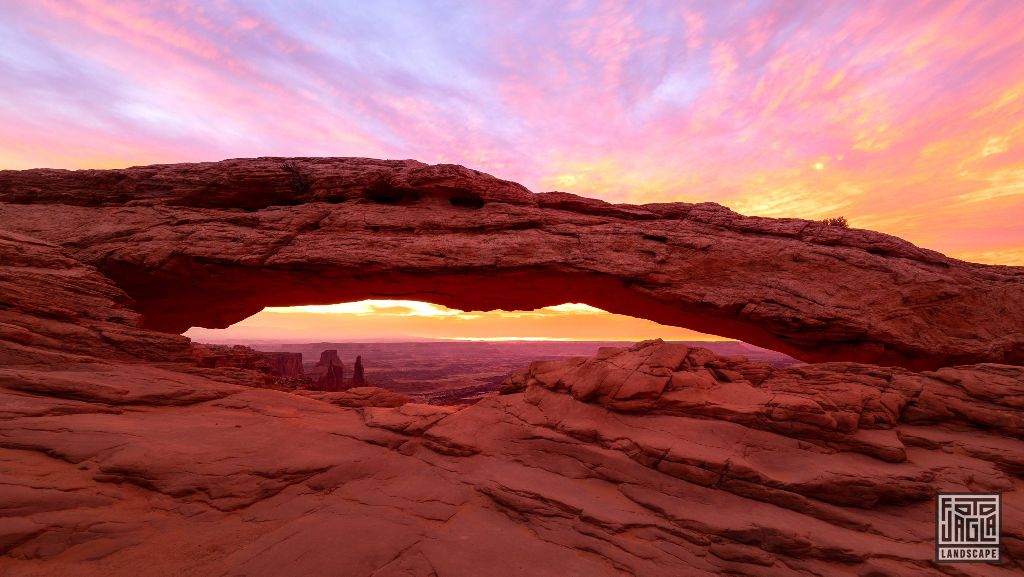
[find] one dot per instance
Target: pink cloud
(905, 116)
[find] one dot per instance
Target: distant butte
(210, 244)
(329, 372)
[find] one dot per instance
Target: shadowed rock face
(329, 372)
(329, 358)
(273, 364)
(284, 364)
(358, 375)
(55, 310)
(210, 244)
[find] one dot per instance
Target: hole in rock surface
(433, 353)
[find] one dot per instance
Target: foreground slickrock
(210, 244)
(653, 460)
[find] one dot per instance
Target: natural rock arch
(210, 244)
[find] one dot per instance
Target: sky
(905, 117)
(399, 320)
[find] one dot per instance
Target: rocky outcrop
(329, 372)
(653, 460)
(360, 397)
(329, 358)
(273, 364)
(358, 377)
(212, 243)
(841, 406)
(280, 364)
(56, 310)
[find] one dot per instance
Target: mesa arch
(210, 244)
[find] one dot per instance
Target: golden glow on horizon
(377, 319)
(511, 339)
(373, 307)
(573, 308)
(407, 308)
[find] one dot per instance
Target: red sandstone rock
(273, 364)
(358, 378)
(332, 379)
(361, 397)
(114, 470)
(280, 364)
(118, 456)
(329, 358)
(329, 372)
(55, 310)
(212, 243)
(838, 405)
(275, 370)
(409, 418)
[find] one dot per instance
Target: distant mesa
(329, 372)
(282, 370)
(330, 358)
(276, 367)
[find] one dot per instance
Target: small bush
(839, 221)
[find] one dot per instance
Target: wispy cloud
(906, 117)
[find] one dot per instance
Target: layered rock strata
(273, 364)
(329, 372)
(652, 460)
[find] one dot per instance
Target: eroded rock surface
(273, 364)
(656, 459)
(358, 375)
(55, 309)
(329, 372)
(212, 243)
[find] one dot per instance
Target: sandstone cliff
(273, 364)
